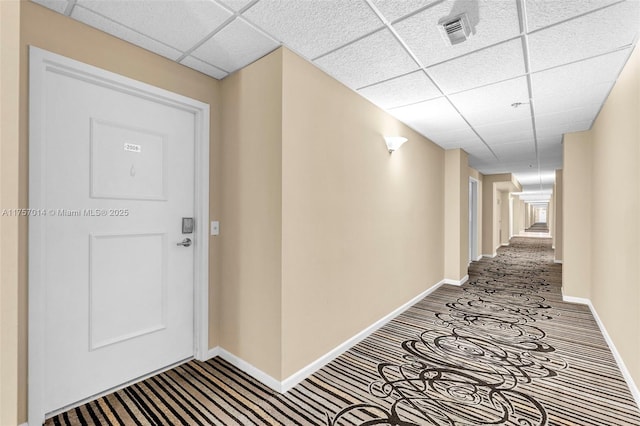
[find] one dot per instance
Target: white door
(118, 177)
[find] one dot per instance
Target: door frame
(42, 62)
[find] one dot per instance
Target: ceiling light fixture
(394, 142)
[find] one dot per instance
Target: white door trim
(42, 62)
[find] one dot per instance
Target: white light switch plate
(215, 227)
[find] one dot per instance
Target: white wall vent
(455, 30)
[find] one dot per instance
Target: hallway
(501, 349)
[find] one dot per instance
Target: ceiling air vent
(455, 30)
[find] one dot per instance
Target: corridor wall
(601, 236)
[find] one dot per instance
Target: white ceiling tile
(479, 151)
(313, 28)
(595, 94)
(491, 22)
(372, 59)
(235, 4)
(491, 104)
(550, 152)
(235, 46)
(480, 68)
(590, 35)
(541, 13)
(567, 117)
(511, 151)
(58, 5)
(506, 132)
(437, 115)
(124, 33)
(549, 141)
(394, 9)
(579, 76)
(405, 90)
(528, 178)
(457, 138)
(204, 67)
(578, 126)
(177, 23)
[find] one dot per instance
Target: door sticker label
(131, 147)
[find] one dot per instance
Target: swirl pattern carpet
(503, 349)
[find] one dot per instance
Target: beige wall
(576, 206)
(616, 212)
(456, 214)
(601, 191)
(517, 214)
(251, 221)
(318, 217)
(558, 216)
(491, 212)
(505, 228)
(361, 229)
(12, 374)
(473, 173)
(46, 29)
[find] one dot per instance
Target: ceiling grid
(558, 59)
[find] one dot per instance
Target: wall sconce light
(394, 142)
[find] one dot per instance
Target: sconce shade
(394, 142)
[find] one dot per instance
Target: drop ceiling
(556, 60)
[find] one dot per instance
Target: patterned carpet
(538, 227)
(503, 349)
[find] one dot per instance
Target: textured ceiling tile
(313, 28)
(549, 141)
(394, 9)
(178, 23)
(235, 46)
(405, 90)
(203, 67)
(58, 5)
(124, 33)
(479, 68)
(235, 4)
(436, 115)
(595, 94)
(375, 58)
(541, 13)
(491, 22)
(590, 35)
(579, 76)
(491, 104)
(458, 138)
(578, 126)
(515, 152)
(567, 117)
(507, 132)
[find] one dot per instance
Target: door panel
(119, 292)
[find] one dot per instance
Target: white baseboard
(254, 372)
(455, 282)
(504, 245)
(212, 353)
(294, 379)
(305, 372)
(490, 256)
(479, 257)
(558, 261)
(623, 368)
